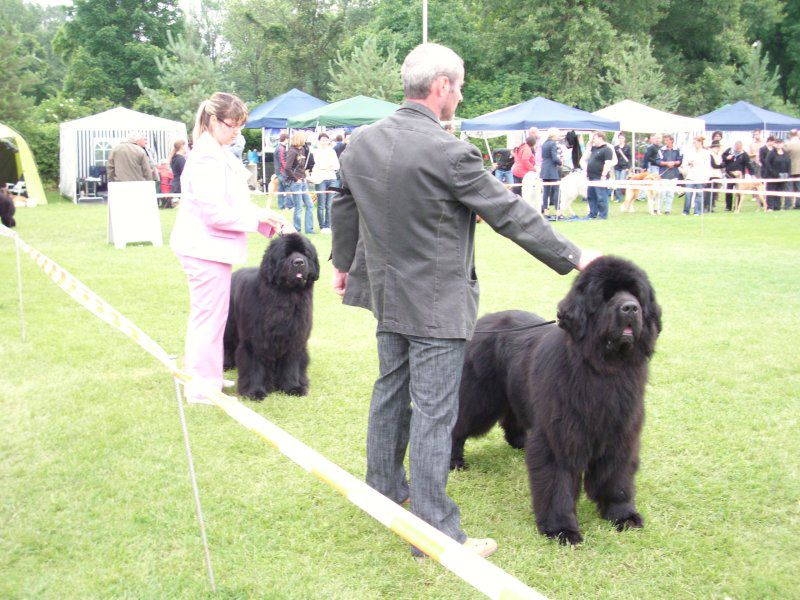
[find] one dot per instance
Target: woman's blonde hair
(226, 107)
(298, 138)
(176, 147)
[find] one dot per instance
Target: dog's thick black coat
(7, 210)
(571, 394)
(269, 319)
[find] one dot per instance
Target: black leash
(521, 328)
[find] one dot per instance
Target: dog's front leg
(251, 373)
(609, 483)
(555, 492)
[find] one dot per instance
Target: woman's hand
(275, 220)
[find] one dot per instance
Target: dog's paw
(298, 390)
(458, 464)
(565, 536)
(258, 395)
(632, 521)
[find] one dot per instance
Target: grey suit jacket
(404, 226)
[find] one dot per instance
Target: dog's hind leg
(609, 483)
(513, 430)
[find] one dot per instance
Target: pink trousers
(209, 295)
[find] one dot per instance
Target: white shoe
(198, 400)
(228, 383)
(484, 547)
(325, 230)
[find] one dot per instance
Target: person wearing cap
(128, 160)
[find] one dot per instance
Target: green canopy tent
(17, 164)
(359, 110)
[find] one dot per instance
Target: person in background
(524, 160)
(623, 154)
(326, 167)
(341, 144)
(128, 160)
(597, 163)
(669, 160)
(737, 164)
(697, 169)
(716, 177)
(777, 165)
(237, 146)
(650, 159)
(209, 235)
(754, 152)
(792, 148)
(417, 276)
(503, 162)
(177, 161)
(295, 172)
(279, 163)
(551, 164)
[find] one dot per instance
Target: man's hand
(587, 256)
(339, 281)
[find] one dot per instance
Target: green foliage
(366, 72)
(61, 108)
(755, 83)
(43, 139)
(18, 77)
(110, 44)
(635, 74)
(186, 77)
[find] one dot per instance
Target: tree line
(687, 56)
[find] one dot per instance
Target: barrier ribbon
(487, 578)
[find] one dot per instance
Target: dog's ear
(573, 316)
(270, 268)
(311, 253)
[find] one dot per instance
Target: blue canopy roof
(539, 112)
(273, 114)
(743, 116)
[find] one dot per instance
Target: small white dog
(573, 185)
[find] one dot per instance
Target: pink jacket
(527, 162)
(215, 211)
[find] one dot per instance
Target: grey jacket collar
(422, 109)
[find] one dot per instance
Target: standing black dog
(572, 394)
(7, 210)
(269, 319)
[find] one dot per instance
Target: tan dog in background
(646, 179)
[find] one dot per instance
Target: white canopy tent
(87, 142)
(640, 118)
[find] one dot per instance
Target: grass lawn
(95, 500)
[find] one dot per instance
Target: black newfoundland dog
(7, 210)
(571, 394)
(269, 319)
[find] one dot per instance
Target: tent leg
(19, 288)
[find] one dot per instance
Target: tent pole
(264, 182)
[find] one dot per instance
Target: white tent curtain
(82, 138)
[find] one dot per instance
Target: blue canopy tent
(538, 112)
(743, 116)
(274, 114)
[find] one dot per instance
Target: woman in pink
(524, 159)
(214, 216)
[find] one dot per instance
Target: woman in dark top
(777, 165)
(177, 161)
(297, 159)
(550, 173)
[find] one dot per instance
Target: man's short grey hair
(424, 64)
(135, 136)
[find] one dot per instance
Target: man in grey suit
(403, 237)
(792, 148)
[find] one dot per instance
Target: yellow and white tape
(487, 578)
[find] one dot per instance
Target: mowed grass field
(95, 499)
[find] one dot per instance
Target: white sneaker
(325, 230)
(198, 400)
(483, 547)
(228, 383)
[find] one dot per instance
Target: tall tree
(109, 44)
(755, 82)
(635, 74)
(366, 72)
(186, 77)
(18, 77)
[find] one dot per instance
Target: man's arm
(344, 227)
(507, 213)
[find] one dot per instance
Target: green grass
(95, 500)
